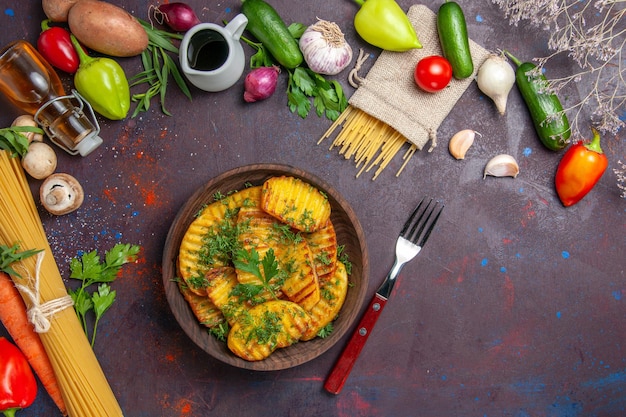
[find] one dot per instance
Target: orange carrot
(14, 318)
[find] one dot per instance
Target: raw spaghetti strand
(367, 140)
(389, 147)
(83, 384)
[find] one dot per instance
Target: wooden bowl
(349, 233)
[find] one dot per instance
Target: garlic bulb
(501, 166)
(325, 49)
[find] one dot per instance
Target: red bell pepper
(18, 387)
(580, 169)
(55, 45)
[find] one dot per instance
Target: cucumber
(269, 29)
(545, 109)
(453, 38)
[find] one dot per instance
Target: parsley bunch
(328, 96)
(90, 270)
(304, 84)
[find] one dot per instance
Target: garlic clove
(501, 166)
(461, 142)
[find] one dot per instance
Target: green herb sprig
(9, 255)
(325, 331)
(266, 270)
(90, 270)
(158, 66)
(343, 257)
(13, 140)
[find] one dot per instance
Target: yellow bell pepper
(384, 24)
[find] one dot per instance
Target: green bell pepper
(103, 83)
(384, 24)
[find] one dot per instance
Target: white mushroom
(28, 120)
(40, 160)
(61, 194)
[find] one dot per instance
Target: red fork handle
(338, 376)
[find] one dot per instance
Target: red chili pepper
(55, 45)
(580, 169)
(18, 387)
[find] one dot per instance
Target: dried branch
(621, 177)
(593, 35)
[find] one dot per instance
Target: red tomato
(433, 73)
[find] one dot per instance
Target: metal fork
(412, 238)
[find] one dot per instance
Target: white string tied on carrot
(39, 313)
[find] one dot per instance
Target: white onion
(495, 78)
(325, 49)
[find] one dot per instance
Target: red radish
(178, 16)
(260, 83)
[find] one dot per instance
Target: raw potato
(107, 28)
(57, 10)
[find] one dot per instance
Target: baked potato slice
(220, 285)
(323, 245)
(301, 284)
(206, 243)
(202, 307)
(334, 289)
(296, 278)
(296, 203)
(257, 233)
(266, 327)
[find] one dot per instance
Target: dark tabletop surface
(516, 307)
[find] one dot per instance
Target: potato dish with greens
(261, 267)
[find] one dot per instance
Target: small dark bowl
(349, 234)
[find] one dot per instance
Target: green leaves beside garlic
(324, 48)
